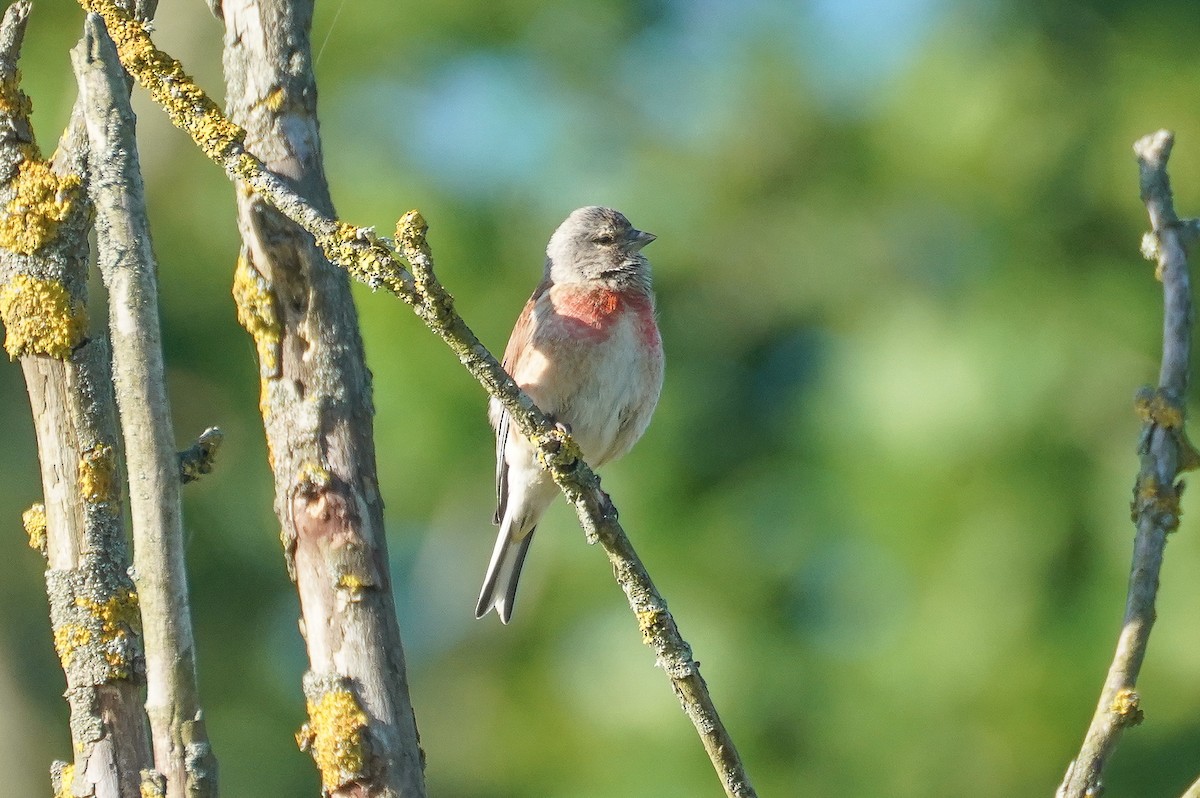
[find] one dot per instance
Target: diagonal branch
(372, 261)
(1164, 452)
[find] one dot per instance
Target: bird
(587, 350)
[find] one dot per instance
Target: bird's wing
(517, 343)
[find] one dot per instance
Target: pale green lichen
(40, 318)
(334, 737)
(256, 312)
(41, 201)
(97, 474)
(34, 521)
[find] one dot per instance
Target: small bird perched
(586, 349)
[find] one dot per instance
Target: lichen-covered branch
(199, 458)
(44, 224)
(582, 489)
(317, 415)
(181, 749)
(1164, 452)
(371, 260)
(355, 249)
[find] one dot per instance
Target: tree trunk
(317, 412)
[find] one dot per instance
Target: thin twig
(198, 459)
(1164, 452)
(370, 260)
(181, 749)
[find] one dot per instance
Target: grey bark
(182, 752)
(264, 289)
(316, 404)
(1164, 452)
(92, 608)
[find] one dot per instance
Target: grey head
(597, 243)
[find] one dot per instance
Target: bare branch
(598, 518)
(370, 260)
(181, 749)
(1164, 452)
(43, 302)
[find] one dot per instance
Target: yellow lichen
(274, 100)
(353, 585)
(13, 101)
(256, 312)
(411, 230)
(119, 618)
(40, 318)
(647, 619)
(66, 782)
(1153, 406)
(313, 475)
(41, 200)
(360, 252)
(97, 474)
(188, 107)
(34, 521)
(107, 624)
(334, 737)
(246, 167)
(153, 785)
(1153, 498)
(556, 449)
(1125, 707)
(119, 614)
(67, 638)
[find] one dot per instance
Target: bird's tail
(503, 572)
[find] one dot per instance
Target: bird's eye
(604, 238)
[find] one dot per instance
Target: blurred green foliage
(886, 491)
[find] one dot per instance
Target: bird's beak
(640, 239)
